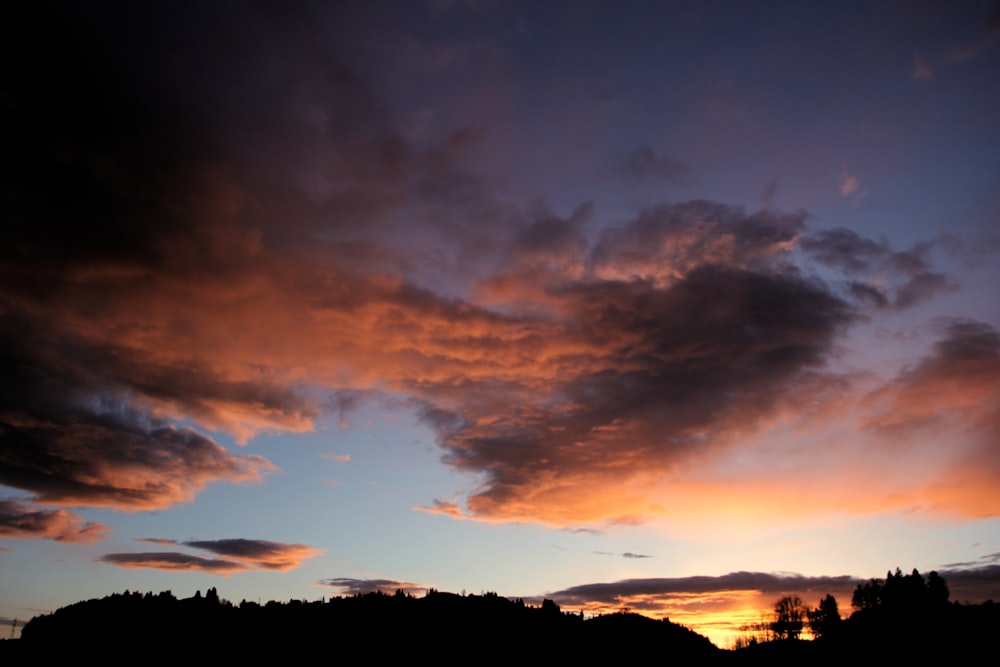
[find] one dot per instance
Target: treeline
(904, 616)
(445, 627)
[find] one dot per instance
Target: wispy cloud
(921, 70)
(989, 35)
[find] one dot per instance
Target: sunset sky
(674, 306)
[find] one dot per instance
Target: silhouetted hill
(450, 628)
(903, 619)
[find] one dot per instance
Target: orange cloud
(241, 554)
(172, 561)
(22, 520)
(231, 266)
(259, 554)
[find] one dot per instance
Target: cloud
(876, 274)
(226, 232)
(664, 243)
(172, 561)
(716, 606)
(259, 554)
(849, 184)
(973, 585)
(762, 582)
(103, 454)
(348, 586)
(951, 399)
(719, 605)
(921, 70)
(629, 554)
(23, 520)
(645, 166)
(648, 374)
(850, 188)
(242, 554)
(339, 458)
(989, 34)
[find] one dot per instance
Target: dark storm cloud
(348, 586)
(877, 274)
(172, 561)
(23, 520)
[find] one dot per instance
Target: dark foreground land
(482, 629)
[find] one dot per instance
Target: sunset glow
(676, 307)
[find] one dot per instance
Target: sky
(676, 307)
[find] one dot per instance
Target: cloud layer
(228, 230)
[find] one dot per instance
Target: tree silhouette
(824, 620)
(789, 613)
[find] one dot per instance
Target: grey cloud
(262, 553)
(768, 583)
(349, 586)
(866, 263)
(974, 585)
